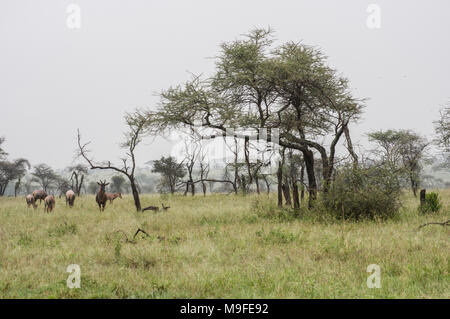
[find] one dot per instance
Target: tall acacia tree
(289, 88)
(136, 124)
(45, 176)
(404, 151)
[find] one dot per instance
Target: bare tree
(77, 177)
(136, 129)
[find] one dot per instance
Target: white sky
(54, 80)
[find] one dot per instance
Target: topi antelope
(40, 194)
(30, 201)
(113, 196)
(70, 197)
(101, 195)
(49, 202)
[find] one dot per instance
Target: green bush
(363, 193)
(432, 203)
(268, 209)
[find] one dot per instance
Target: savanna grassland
(218, 246)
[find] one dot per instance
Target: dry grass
(217, 247)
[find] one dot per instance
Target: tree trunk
(295, 195)
(287, 193)
(350, 146)
(309, 163)
(280, 182)
(134, 190)
(204, 188)
(414, 184)
(302, 180)
(187, 189)
(80, 186)
(267, 184)
(244, 185)
(257, 185)
(422, 197)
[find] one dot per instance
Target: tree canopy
(289, 88)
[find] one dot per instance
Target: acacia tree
(92, 187)
(136, 123)
(62, 185)
(117, 182)
(45, 176)
(403, 151)
(290, 89)
(10, 171)
(171, 172)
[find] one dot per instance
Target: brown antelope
(30, 201)
(49, 202)
(40, 194)
(164, 208)
(70, 198)
(101, 195)
(113, 196)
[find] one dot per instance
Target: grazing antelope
(30, 201)
(70, 197)
(154, 208)
(101, 195)
(113, 196)
(49, 202)
(40, 194)
(164, 207)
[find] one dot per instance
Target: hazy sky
(54, 79)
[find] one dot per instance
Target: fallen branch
(142, 231)
(132, 241)
(446, 223)
(124, 234)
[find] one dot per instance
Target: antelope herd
(101, 198)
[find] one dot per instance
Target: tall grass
(218, 246)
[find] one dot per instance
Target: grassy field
(218, 247)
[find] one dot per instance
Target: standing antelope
(101, 195)
(49, 202)
(70, 197)
(113, 196)
(30, 201)
(40, 194)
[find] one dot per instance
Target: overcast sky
(54, 79)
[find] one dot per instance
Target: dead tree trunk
(295, 195)
(287, 194)
(302, 181)
(422, 197)
(280, 183)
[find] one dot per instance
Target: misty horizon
(56, 79)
